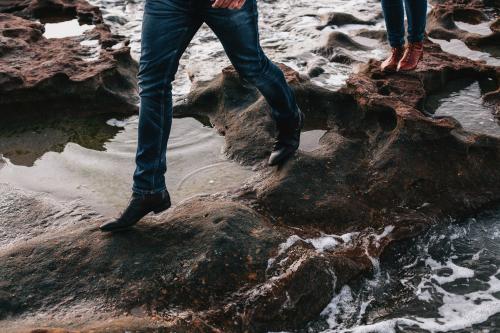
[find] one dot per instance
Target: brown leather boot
(412, 56)
(391, 63)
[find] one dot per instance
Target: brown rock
(40, 76)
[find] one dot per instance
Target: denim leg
(394, 16)
(167, 28)
(239, 34)
(416, 13)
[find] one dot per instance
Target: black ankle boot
(287, 141)
(138, 207)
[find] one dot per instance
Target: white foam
(458, 272)
(322, 243)
(457, 311)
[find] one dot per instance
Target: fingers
(229, 4)
(237, 4)
(220, 3)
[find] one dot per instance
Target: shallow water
(457, 47)
(65, 29)
(309, 140)
(462, 100)
(98, 162)
(481, 28)
(447, 280)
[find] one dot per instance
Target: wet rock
(53, 10)
(315, 68)
(342, 56)
(441, 24)
(493, 98)
(380, 35)
(361, 177)
(209, 263)
(292, 278)
(194, 256)
(380, 157)
(338, 39)
(89, 73)
(340, 19)
(495, 25)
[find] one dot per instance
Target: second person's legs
(416, 14)
(394, 16)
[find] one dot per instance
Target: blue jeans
(394, 14)
(168, 27)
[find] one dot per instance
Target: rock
(53, 10)
(315, 67)
(380, 35)
(211, 257)
(338, 39)
(495, 25)
(203, 250)
(338, 48)
(89, 73)
(340, 19)
(247, 260)
(377, 135)
(441, 24)
(493, 98)
(342, 56)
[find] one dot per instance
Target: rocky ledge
(271, 255)
(91, 72)
(265, 257)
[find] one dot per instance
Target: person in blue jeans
(168, 27)
(404, 58)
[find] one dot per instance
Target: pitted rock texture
(211, 262)
(63, 73)
(381, 159)
(53, 10)
(243, 261)
(441, 22)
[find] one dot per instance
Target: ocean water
(447, 280)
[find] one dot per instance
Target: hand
(229, 4)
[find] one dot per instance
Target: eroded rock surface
(441, 22)
(381, 156)
(92, 72)
(268, 256)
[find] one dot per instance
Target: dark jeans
(168, 27)
(394, 14)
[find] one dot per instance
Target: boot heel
(162, 208)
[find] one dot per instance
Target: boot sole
(155, 211)
(162, 208)
(117, 229)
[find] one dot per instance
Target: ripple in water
(100, 172)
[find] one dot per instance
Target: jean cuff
(415, 39)
(148, 192)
